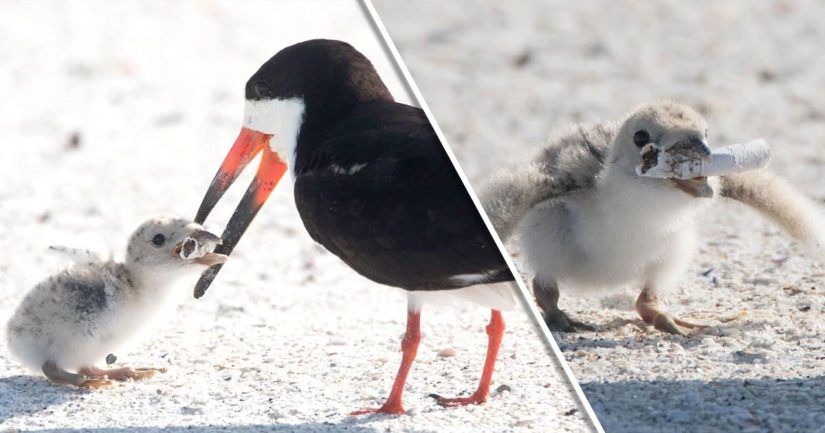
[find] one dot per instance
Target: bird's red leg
(409, 347)
(495, 331)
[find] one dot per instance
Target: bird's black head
(319, 71)
(292, 101)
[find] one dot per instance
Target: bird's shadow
(766, 404)
(33, 394)
(252, 428)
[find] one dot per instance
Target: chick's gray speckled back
(75, 304)
(575, 157)
(568, 162)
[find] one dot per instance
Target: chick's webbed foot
(651, 310)
(547, 297)
(558, 321)
(58, 375)
(121, 374)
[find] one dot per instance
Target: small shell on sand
(447, 353)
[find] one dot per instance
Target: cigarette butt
(736, 158)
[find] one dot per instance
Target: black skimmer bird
(372, 184)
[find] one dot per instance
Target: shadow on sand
(31, 392)
(763, 405)
(28, 394)
(298, 428)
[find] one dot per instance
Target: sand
(112, 113)
(501, 77)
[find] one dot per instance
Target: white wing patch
(472, 278)
(337, 169)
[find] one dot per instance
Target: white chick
(67, 324)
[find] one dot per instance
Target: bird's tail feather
(776, 199)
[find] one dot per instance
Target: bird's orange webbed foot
(409, 348)
(389, 408)
(495, 331)
(475, 398)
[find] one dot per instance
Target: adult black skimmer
(372, 184)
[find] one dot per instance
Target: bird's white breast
(610, 236)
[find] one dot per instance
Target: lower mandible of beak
(270, 171)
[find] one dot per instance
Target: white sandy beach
(501, 77)
(288, 338)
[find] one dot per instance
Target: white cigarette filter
(735, 158)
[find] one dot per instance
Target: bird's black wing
(382, 195)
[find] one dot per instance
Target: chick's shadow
(255, 428)
(29, 395)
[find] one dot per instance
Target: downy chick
(586, 221)
(67, 324)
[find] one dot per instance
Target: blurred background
(116, 111)
(500, 77)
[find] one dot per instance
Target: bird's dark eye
(262, 89)
(641, 138)
(158, 240)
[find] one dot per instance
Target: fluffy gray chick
(67, 324)
(586, 221)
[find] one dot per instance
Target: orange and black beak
(248, 144)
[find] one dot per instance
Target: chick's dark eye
(158, 240)
(641, 138)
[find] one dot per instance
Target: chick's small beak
(248, 144)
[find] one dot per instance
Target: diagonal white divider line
(525, 296)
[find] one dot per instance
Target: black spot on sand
(766, 75)
(523, 59)
(74, 141)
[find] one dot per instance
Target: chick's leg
(121, 374)
(547, 297)
(651, 310)
(662, 275)
(59, 375)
